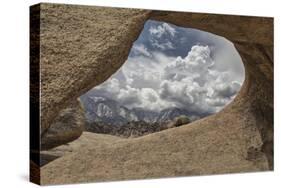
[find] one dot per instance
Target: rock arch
(81, 46)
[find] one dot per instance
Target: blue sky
(170, 66)
(171, 40)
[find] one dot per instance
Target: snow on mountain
(101, 109)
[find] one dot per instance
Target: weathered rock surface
(87, 140)
(66, 127)
(79, 50)
(82, 46)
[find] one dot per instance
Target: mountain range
(107, 111)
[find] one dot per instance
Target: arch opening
(171, 72)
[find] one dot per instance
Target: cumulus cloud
(160, 36)
(140, 49)
(158, 82)
(192, 82)
(162, 29)
(202, 78)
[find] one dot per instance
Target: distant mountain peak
(108, 111)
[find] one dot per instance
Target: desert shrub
(181, 120)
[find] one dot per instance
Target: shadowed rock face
(67, 126)
(82, 46)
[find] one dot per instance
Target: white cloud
(160, 36)
(112, 85)
(162, 29)
(140, 49)
(129, 96)
(163, 45)
(158, 81)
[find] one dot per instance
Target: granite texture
(82, 46)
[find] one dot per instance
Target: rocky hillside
(136, 128)
(107, 116)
